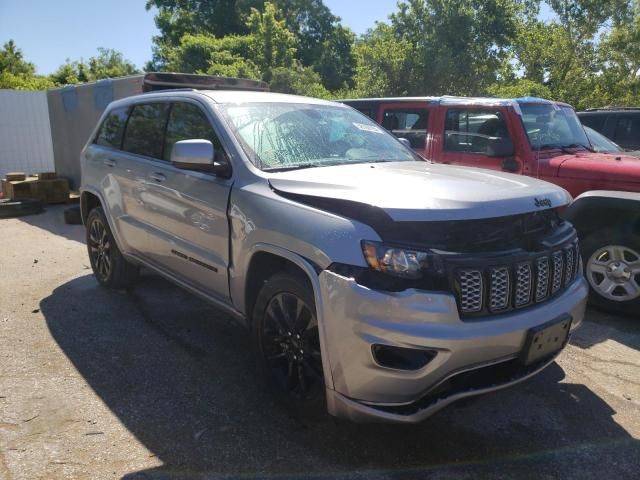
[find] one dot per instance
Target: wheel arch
(266, 260)
(90, 199)
(605, 210)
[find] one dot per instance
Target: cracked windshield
(320, 239)
(278, 137)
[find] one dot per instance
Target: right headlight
(398, 261)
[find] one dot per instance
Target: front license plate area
(546, 339)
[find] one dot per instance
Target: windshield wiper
(576, 145)
(292, 167)
(565, 148)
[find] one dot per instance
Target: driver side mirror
(198, 154)
(500, 147)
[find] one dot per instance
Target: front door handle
(158, 177)
(109, 162)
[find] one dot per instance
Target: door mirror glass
(196, 154)
(500, 147)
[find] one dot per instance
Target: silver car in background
(374, 284)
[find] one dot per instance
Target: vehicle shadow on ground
(178, 374)
(52, 220)
(622, 329)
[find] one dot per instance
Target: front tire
(109, 266)
(286, 343)
(612, 268)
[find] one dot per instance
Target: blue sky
(50, 31)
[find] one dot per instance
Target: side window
(111, 130)
(409, 123)
(366, 111)
(186, 122)
(145, 130)
(627, 130)
(594, 121)
(472, 130)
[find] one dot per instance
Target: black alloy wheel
(100, 248)
(286, 341)
(291, 347)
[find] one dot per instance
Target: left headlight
(398, 261)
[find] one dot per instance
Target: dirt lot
(156, 384)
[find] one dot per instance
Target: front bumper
(355, 318)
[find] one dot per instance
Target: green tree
(298, 80)
(108, 63)
(320, 41)
(18, 74)
(458, 46)
(272, 44)
(384, 64)
(227, 56)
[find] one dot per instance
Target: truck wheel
(287, 344)
(612, 268)
(109, 266)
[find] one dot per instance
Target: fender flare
(103, 204)
(605, 209)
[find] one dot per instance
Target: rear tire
(612, 268)
(111, 269)
(286, 344)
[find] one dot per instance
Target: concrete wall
(25, 136)
(73, 114)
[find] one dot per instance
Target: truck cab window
(409, 123)
(472, 130)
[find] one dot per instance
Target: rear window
(593, 121)
(145, 130)
(110, 133)
(627, 130)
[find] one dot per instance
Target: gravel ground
(155, 384)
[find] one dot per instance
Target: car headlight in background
(398, 261)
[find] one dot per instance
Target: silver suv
(374, 284)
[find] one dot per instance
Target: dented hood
(421, 191)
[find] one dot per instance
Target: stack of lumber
(44, 186)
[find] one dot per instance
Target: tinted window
(627, 130)
(409, 123)
(472, 130)
(110, 133)
(366, 111)
(594, 121)
(187, 121)
(145, 130)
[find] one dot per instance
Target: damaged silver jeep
(374, 284)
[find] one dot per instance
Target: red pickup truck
(543, 139)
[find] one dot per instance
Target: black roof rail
(154, 81)
(604, 109)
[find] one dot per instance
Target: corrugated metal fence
(25, 133)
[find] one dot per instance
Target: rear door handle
(109, 162)
(158, 177)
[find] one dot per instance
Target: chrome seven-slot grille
(499, 288)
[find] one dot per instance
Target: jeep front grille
(496, 289)
(471, 290)
(499, 285)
